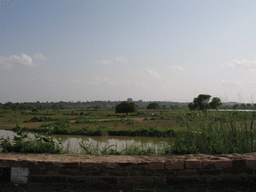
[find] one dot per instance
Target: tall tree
(126, 107)
(202, 103)
(153, 105)
(215, 103)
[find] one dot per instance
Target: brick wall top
(154, 162)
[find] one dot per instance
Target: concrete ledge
(125, 170)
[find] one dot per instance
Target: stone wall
(126, 171)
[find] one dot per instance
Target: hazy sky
(164, 50)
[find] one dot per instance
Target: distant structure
(140, 100)
(129, 100)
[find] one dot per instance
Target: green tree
(34, 109)
(126, 107)
(235, 106)
(215, 103)
(243, 105)
(202, 103)
(153, 105)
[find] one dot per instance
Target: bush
(41, 144)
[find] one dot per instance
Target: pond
(71, 142)
(239, 110)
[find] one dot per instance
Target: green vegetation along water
(70, 143)
(212, 132)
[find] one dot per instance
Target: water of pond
(239, 110)
(72, 141)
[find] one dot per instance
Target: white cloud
(99, 81)
(121, 59)
(40, 57)
(103, 62)
(242, 64)
(75, 80)
(108, 81)
(231, 83)
(136, 83)
(153, 73)
(4, 64)
(23, 59)
(179, 68)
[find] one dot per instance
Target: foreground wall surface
(126, 170)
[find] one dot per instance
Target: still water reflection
(71, 142)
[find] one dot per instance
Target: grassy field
(194, 132)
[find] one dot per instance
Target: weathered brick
(81, 180)
(97, 173)
(155, 165)
(30, 163)
(174, 164)
(70, 164)
(146, 172)
(11, 162)
(47, 179)
(125, 165)
(235, 171)
(222, 163)
(133, 172)
(203, 155)
(53, 173)
(90, 165)
(71, 171)
(208, 164)
(104, 181)
(143, 172)
(37, 171)
(38, 164)
(140, 166)
(250, 163)
(209, 172)
(5, 174)
(109, 165)
(166, 172)
(159, 181)
(193, 164)
(238, 163)
(179, 156)
(186, 172)
(173, 181)
(137, 181)
(207, 179)
(117, 172)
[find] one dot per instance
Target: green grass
(193, 132)
(215, 137)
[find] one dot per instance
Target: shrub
(41, 144)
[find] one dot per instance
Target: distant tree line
(85, 105)
(111, 105)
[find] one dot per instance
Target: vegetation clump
(153, 105)
(202, 103)
(126, 107)
(22, 144)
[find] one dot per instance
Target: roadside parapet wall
(126, 171)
